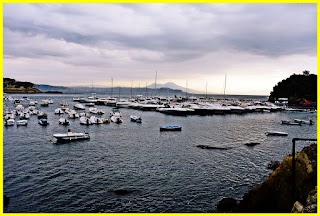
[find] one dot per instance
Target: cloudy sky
(254, 45)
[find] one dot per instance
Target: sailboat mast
(186, 88)
(155, 84)
(206, 89)
(146, 89)
(111, 86)
(225, 85)
(131, 87)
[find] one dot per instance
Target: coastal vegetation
(298, 88)
(13, 86)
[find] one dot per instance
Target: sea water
(159, 171)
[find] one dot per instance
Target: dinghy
(135, 119)
(276, 133)
(170, 128)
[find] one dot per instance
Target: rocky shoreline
(274, 194)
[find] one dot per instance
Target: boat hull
(170, 128)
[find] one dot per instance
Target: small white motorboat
(63, 121)
(93, 110)
(276, 133)
(24, 115)
(135, 119)
(22, 122)
(95, 120)
(85, 121)
(79, 106)
(71, 136)
(115, 116)
(116, 119)
(58, 111)
(43, 121)
(9, 122)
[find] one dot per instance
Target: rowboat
(170, 128)
(276, 133)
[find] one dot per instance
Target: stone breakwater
(274, 194)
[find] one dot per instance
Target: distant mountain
(45, 88)
(172, 85)
(115, 91)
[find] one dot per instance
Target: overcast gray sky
(255, 45)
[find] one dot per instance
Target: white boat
(22, 122)
(93, 110)
(310, 122)
(95, 120)
(123, 103)
(58, 111)
(85, 121)
(43, 121)
(9, 122)
(63, 121)
(111, 102)
(44, 103)
(89, 104)
(71, 136)
(276, 133)
(135, 119)
(73, 115)
(116, 119)
(24, 115)
(41, 114)
(19, 108)
(115, 116)
(79, 106)
(176, 111)
(115, 111)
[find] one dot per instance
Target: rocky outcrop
(16, 87)
(311, 204)
(274, 194)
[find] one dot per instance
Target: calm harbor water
(163, 172)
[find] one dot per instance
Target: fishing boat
(135, 119)
(71, 136)
(276, 133)
(22, 122)
(43, 121)
(290, 123)
(170, 128)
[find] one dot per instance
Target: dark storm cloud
(270, 30)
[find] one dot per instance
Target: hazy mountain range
(168, 88)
